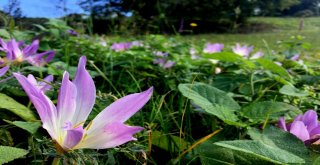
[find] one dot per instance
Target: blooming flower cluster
(65, 122)
(245, 51)
(213, 48)
(306, 127)
(17, 52)
(162, 60)
(242, 50)
(122, 46)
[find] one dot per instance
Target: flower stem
(56, 161)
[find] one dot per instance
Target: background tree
(304, 8)
(168, 15)
(274, 7)
(13, 9)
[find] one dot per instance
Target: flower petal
(168, 64)
(282, 123)
(31, 49)
(315, 131)
(121, 110)
(39, 60)
(4, 46)
(4, 70)
(66, 100)
(43, 105)
(86, 92)
(73, 137)
(111, 135)
(310, 119)
(13, 47)
(44, 85)
(299, 129)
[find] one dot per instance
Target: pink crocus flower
(242, 50)
(257, 55)
(121, 46)
(65, 122)
(42, 85)
(305, 127)
(295, 57)
(164, 63)
(29, 53)
(160, 54)
(3, 70)
(213, 48)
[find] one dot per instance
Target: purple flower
(65, 122)
(160, 54)
(164, 63)
(278, 63)
(121, 46)
(306, 127)
(3, 70)
(28, 53)
(295, 57)
(136, 44)
(242, 50)
(213, 48)
(72, 32)
(168, 64)
(42, 85)
(257, 55)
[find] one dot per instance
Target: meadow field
(246, 98)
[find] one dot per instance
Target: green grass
(283, 29)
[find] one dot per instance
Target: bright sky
(45, 8)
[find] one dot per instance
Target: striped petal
(86, 92)
(111, 135)
(44, 85)
(282, 124)
(310, 119)
(73, 137)
(4, 70)
(31, 49)
(66, 100)
(121, 110)
(41, 59)
(43, 105)
(299, 129)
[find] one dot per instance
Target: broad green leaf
(8, 154)
(230, 57)
(31, 127)
(229, 82)
(273, 67)
(211, 154)
(276, 137)
(213, 101)
(309, 79)
(224, 56)
(4, 33)
(292, 91)
(260, 111)
(168, 142)
(13, 106)
(259, 150)
(40, 27)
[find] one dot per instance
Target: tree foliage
(176, 15)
